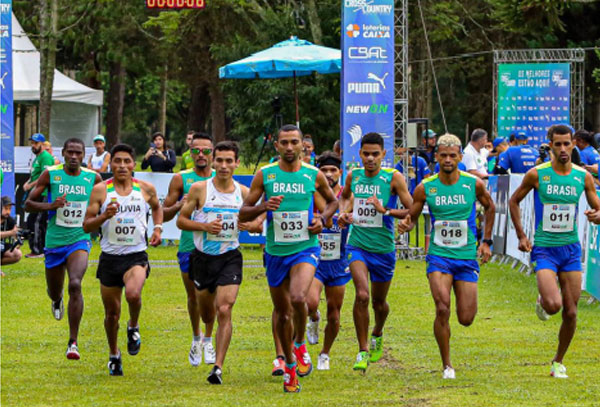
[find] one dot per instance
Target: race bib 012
(71, 215)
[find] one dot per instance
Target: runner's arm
(250, 210)
(408, 223)
(157, 212)
(255, 226)
(529, 183)
(34, 203)
(104, 167)
(593, 199)
(400, 188)
(326, 192)
(195, 199)
(346, 197)
(172, 204)
(484, 197)
(93, 220)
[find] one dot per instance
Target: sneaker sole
(304, 374)
(285, 390)
(278, 372)
(214, 379)
(134, 352)
(73, 356)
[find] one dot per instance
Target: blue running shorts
(461, 270)
(380, 265)
(561, 258)
(278, 267)
(333, 272)
(184, 261)
(58, 255)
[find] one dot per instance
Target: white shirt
(474, 160)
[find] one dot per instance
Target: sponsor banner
(531, 98)
(498, 186)
(367, 90)
(7, 134)
(592, 275)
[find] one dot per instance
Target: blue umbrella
(290, 58)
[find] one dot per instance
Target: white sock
(207, 339)
(197, 338)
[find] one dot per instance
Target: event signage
(7, 133)
(175, 3)
(367, 90)
(592, 277)
(531, 98)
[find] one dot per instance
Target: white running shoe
(58, 309)
(312, 329)
(209, 353)
(540, 311)
(558, 371)
(195, 355)
(449, 373)
(323, 362)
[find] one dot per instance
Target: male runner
(201, 150)
(67, 245)
(371, 250)
(187, 161)
(332, 271)
(292, 250)
(452, 255)
(120, 207)
(216, 263)
(556, 251)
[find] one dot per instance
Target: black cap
(6, 201)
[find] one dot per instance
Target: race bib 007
(451, 233)
(290, 226)
(559, 218)
(123, 231)
(229, 229)
(71, 215)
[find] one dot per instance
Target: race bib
(71, 215)
(123, 231)
(229, 230)
(290, 226)
(451, 233)
(559, 218)
(331, 244)
(365, 214)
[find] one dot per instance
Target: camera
(544, 150)
(22, 235)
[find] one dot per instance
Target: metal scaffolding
(575, 57)
(401, 79)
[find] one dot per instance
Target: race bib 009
(71, 215)
(559, 218)
(451, 233)
(229, 229)
(290, 226)
(364, 214)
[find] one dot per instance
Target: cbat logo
(119, 221)
(353, 30)
(444, 224)
(284, 215)
(368, 53)
(219, 216)
(554, 207)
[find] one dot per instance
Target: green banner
(592, 278)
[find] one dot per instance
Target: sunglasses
(205, 151)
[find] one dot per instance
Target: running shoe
(195, 355)
(449, 373)
(58, 309)
(304, 364)
(362, 361)
(134, 341)
(312, 329)
(115, 367)
(376, 350)
(278, 367)
(209, 353)
(540, 311)
(34, 256)
(73, 351)
(558, 371)
(290, 380)
(323, 362)
(215, 376)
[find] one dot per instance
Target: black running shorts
(112, 267)
(208, 271)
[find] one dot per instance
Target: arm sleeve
(145, 164)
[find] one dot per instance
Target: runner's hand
(111, 210)
(405, 225)
(593, 216)
(484, 253)
(316, 226)
(524, 244)
(182, 202)
(376, 204)
(155, 238)
(273, 203)
(344, 220)
(214, 227)
(60, 202)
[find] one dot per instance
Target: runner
(452, 256)
(201, 151)
(67, 245)
(556, 251)
(368, 203)
(332, 271)
(123, 203)
(216, 262)
(292, 250)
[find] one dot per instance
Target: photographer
(158, 157)
(8, 231)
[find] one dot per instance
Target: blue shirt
(518, 159)
(461, 167)
(421, 171)
(589, 156)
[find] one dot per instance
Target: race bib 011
(290, 226)
(71, 215)
(559, 218)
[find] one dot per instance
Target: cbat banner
(531, 98)
(7, 133)
(592, 277)
(367, 89)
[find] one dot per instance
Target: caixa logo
(175, 3)
(368, 54)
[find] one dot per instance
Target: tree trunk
(217, 111)
(314, 21)
(116, 98)
(162, 102)
(199, 108)
(48, 39)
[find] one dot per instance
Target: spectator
(499, 146)
(48, 148)
(8, 231)
(100, 160)
(475, 154)
(429, 138)
(36, 222)
(186, 159)
(158, 157)
(590, 158)
(517, 159)
(512, 140)
(337, 148)
(309, 149)
(417, 172)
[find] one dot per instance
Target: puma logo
(381, 80)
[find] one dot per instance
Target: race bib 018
(71, 215)
(451, 233)
(331, 244)
(229, 229)
(364, 214)
(290, 226)
(559, 218)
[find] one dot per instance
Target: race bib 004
(290, 226)
(364, 214)
(123, 231)
(451, 233)
(71, 215)
(331, 244)
(229, 229)
(559, 218)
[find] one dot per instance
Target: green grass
(501, 360)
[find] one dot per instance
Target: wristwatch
(387, 212)
(489, 242)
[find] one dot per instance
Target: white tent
(76, 108)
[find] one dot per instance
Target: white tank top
(98, 160)
(125, 233)
(224, 206)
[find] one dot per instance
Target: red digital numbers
(175, 3)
